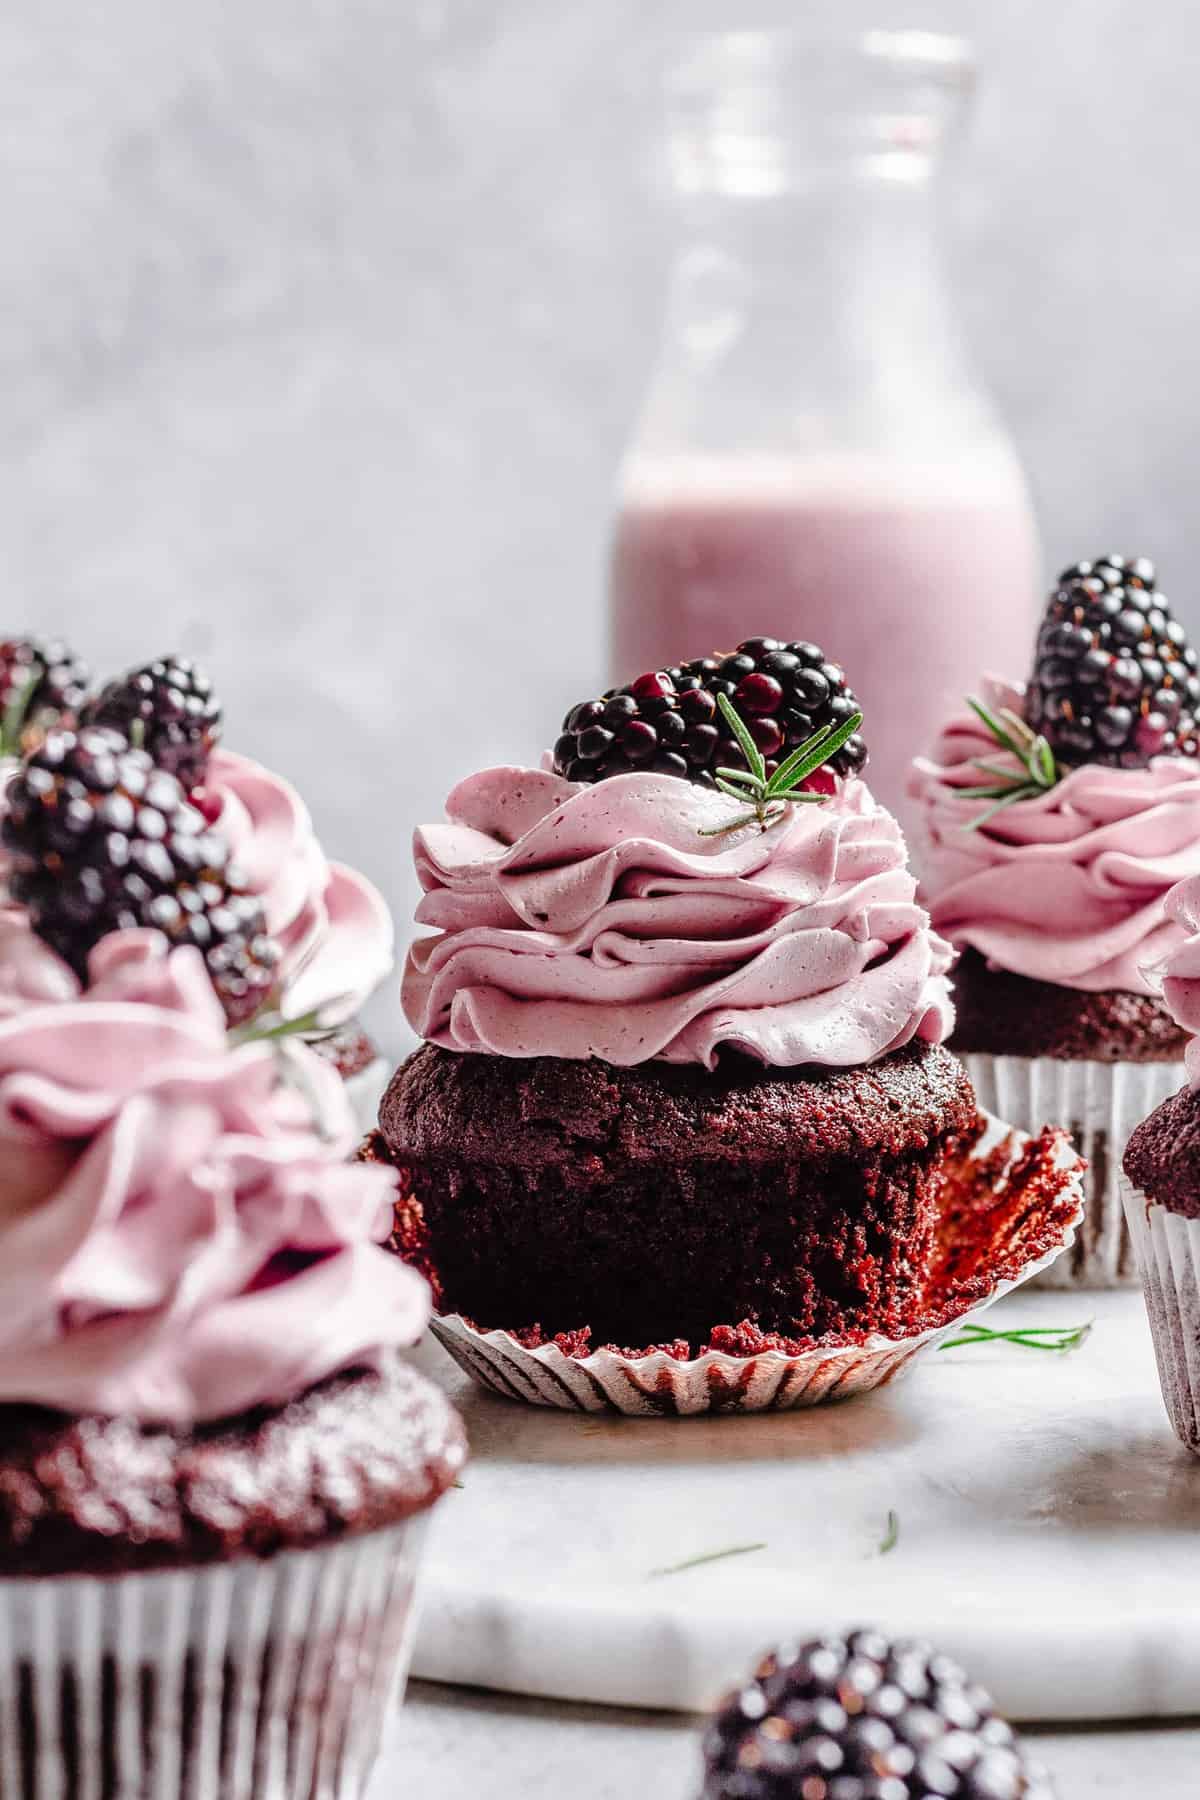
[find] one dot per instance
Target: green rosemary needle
(768, 797)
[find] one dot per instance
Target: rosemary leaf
(736, 724)
(1056, 1338)
(891, 1536)
(795, 757)
(993, 724)
(733, 825)
(707, 1556)
(810, 756)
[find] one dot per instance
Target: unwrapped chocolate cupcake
(1052, 821)
(215, 1470)
(1161, 1188)
(683, 1085)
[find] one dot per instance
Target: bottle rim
(751, 111)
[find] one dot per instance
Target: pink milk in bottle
(916, 580)
(814, 459)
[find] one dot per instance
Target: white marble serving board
(1048, 1532)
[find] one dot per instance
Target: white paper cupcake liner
(1168, 1256)
(246, 1680)
(1099, 1104)
(660, 1385)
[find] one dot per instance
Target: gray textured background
(322, 323)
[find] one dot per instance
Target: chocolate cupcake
(683, 1081)
(1161, 1187)
(215, 1472)
(1052, 822)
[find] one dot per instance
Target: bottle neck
(817, 307)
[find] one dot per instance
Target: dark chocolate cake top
(1162, 1157)
(105, 1495)
(1001, 1014)
(547, 1110)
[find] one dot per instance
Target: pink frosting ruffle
(580, 921)
(333, 926)
(182, 1236)
(1068, 887)
(1179, 971)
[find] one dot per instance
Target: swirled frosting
(1179, 971)
(181, 1234)
(331, 924)
(595, 920)
(1068, 887)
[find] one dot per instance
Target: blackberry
(99, 839)
(43, 684)
(668, 720)
(178, 712)
(864, 1719)
(1114, 678)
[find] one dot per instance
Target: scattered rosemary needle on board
(706, 1556)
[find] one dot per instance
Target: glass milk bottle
(815, 459)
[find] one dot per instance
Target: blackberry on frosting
(101, 840)
(1114, 678)
(668, 720)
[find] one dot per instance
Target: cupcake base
(1011, 1204)
(1099, 1103)
(245, 1681)
(1167, 1247)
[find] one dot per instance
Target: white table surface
(459, 1744)
(1047, 1527)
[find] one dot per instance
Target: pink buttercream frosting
(1179, 971)
(332, 925)
(578, 921)
(1068, 887)
(182, 1236)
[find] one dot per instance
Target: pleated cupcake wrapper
(1168, 1257)
(365, 1090)
(1099, 1104)
(250, 1680)
(660, 1385)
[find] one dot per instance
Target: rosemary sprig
(1056, 1338)
(708, 1556)
(891, 1536)
(1038, 770)
(769, 796)
(12, 726)
(269, 1026)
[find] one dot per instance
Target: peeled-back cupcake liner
(1168, 1257)
(249, 1680)
(1099, 1104)
(659, 1385)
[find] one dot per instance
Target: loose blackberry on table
(172, 703)
(864, 1718)
(668, 721)
(100, 839)
(1114, 679)
(42, 684)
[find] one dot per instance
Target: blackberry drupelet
(46, 681)
(179, 714)
(864, 1719)
(99, 839)
(668, 721)
(1114, 678)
